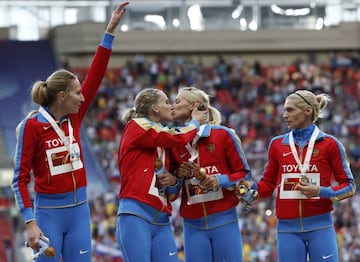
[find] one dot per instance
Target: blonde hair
(44, 92)
(142, 104)
(197, 95)
(305, 98)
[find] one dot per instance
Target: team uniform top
(40, 150)
(221, 154)
(137, 154)
(328, 163)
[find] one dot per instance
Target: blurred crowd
(250, 97)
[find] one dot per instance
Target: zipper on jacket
(205, 215)
(48, 171)
(74, 183)
(301, 215)
(202, 204)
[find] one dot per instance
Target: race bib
(290, 181)
(61, 162)
(195, 194)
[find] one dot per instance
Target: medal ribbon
(60, 133)
(192, 148)
(304, 167)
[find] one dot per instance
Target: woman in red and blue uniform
(309, 170)
(49, 148)
(211, 164)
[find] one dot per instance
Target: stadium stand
(7, 240)
(21, 63)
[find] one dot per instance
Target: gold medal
(201, 174)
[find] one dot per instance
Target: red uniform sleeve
(25, 140)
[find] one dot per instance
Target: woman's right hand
(33, 235)
(187, 169)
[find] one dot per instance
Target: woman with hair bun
(49, 150)
(309, 170)
(210, 166)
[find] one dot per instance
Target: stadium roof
(38, 16)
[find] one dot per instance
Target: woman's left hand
(166, 179)
(308, 190)
(209, 182)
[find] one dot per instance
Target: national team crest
(316, 152)
(210, 147)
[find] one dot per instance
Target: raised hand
(116, 17)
